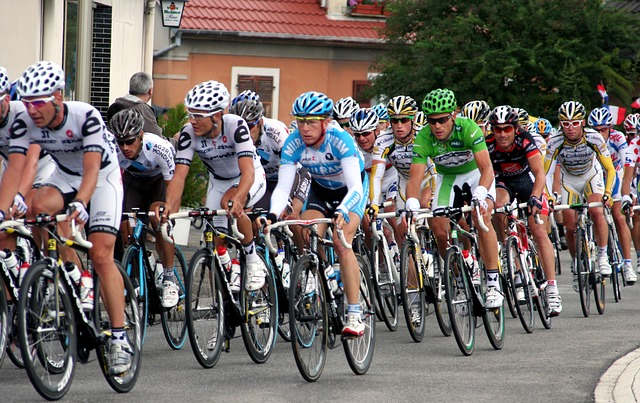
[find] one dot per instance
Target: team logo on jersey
(184, 141)
(69, 133)
(224, 139)
(328, 156)
(241, 135)
(91, 125)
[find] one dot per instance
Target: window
(70, 48)
(264, 81)
(359, 86)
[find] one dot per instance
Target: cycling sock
(354, 308)
(168, 271)
(627, 262)
(118, 333)
(551, 283)
(492, 278)
(250, 252)
(638, 253)
(602, 251)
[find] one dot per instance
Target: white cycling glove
(19, 206)
(78, 206)
(412, 204)
(480, 194)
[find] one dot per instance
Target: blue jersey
(323, 163)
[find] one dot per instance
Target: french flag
(603, 94)
(636, 104)
(617, 113)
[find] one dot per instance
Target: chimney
(335, 8)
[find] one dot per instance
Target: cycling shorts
(401, 189)
(520, 187)
(327, 200)
(218, 187)
(299, 190)
(575, 188)
(140, 192)
(105, 207)
(445, 184)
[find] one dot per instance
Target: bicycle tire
(13, 344)
(555, 241)
(121, 383)
(615, 259)
(174, 320)
(131, 265)
(259, 340)
(46, 299)
(463, 320)
(540, 279)
(599, 283)
(308, 319)
(441, 309)
(384, 288)
(516, 271)
(583, 268)
(505, 283)
(4, 322)
(412, 297)
(204, 305)
(359, 351)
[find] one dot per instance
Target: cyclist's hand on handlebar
(607, 200)
(77, 210)
(627, 203)
(339, 219)
(535, 205)
(373, 210)
(234, 206)
(161, 211)
(19, 207)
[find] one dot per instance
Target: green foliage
(195, 187)
(533, 54)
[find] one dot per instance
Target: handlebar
(165, 227)
(508, 208)
(578, 206)
(304, 223)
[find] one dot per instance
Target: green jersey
(455, 155)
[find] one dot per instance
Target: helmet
(439, 101)
(312, 103)
(381, 110)
(523, 116)
(631, 122)
(42, 78)
(5, 84)
(600, 117)
(126, 124)
(208, 96)
(402, 105)
(543, 127)
(503, 115)
(344, 108)
(477, 111)
(247, 105)
(419, 121)
(364, 120)
(571, 110)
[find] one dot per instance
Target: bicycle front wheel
(359, 350)
(598, 283)
(412, 292)
(4, 322)
(520, 285)
(459, 301)
(204, 309)
(385, 289)
(583, 268)
(131, 262)
(47, 331)
(539, 281)
(13, 343)
(174, 320)
(308, 319)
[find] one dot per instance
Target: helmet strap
(56, 108)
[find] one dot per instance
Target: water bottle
(331, 276)
(86, 290)
(279, 258)
(11, 262)
(225, 259)
(151, 258)
(286, 274)
(336, 270)
(73, 271)
(395, 254)
(23, 271)
(471, 261)
(234, 280)
(428, 262)
(159, 275)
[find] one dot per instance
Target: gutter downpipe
(177, 41)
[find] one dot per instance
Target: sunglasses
(442, 120)
(602, 129)
(127, 142)
(37, 103)
(253, 124)
(570, 123)
(200, 116)
(307, 120)
(363, 134)
(502, 129)
(345, 125)
(400, 120)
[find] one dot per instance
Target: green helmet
(439, 101)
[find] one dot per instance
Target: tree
(533, 54)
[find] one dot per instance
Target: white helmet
(364, 120)
(5, 84)
(344, 108)
(209, 96)
(42, 78)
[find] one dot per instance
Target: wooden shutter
(263, 86)
(358, 88)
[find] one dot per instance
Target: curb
(618, 383)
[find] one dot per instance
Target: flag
(617, 113)
(603, 94)
(636, 104)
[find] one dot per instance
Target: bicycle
(465, 300)
(554, 235)
(584, 265)
(524, 271)
(314, 312)
(214, 310)
(137, 262)
(616, 260)
(54, 328)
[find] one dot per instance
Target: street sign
(172, 12)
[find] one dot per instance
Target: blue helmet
(312, 103)
(543, 127)
(600, 117)
(381, 111)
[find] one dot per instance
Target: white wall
(127, 44)
(20, 26)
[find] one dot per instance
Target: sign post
(172, 12)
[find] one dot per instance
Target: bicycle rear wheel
(441, 307)
(47, 331)
(459, 301)
(124, 382)
(520, 284)
(412, 291)
(204, 309)
(359, 350)
(260, 310)
(174, 320)
(13, 343)
(583, 269)
(615, 259)
(540, 279)
(598, 283)
(4, 322)
(385, 289)
(131, 264)
(308, 319)
(505, 283)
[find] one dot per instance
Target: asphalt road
(558, 365)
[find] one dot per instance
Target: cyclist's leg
(503, 197)
(593, 190)
(624, 234)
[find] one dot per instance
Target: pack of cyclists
(336, 160)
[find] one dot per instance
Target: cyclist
(525, 122)
(575, 150)
(147, 163)
(236, 177)
(630, 179)
(478, 111)
(87, 174)
(383, 117)
(544, 128)
(342, 111)
(419, 121)
(600, 120)
(338, 187)
(460, 155)
(519, 169)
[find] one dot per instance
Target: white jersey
(15, 108)
(82, 130)
(219, 154)
(155, 158)
(269, 146)
(576, 158)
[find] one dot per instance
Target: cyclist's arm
(175, 188)
(416, 175)
(483, 160)
(91, 161)
(280, 195)
(30, 169)
(610, 173)
(537, 167)
(351, 173)
(378, 169)
(11, 180)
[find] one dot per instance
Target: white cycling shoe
(256, 275)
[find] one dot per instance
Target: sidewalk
(621, 382)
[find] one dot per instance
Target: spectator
(140, 92)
